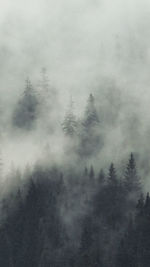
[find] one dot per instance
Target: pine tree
(112, 177)
(91, 117)
(25, 113)
(69, 124)
(89, 130)
(132, 181)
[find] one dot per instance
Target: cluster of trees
(70, 124)
(134, 248)
(86, 130)
(38, 109)
(76, 218)
(34, 104)
(40, 106)
(42, 100)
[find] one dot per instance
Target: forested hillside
(74, 133)
(76, 218)
(73, 208)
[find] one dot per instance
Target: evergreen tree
(25, 113)
(132, 181)
(89, 130)
(90, 117)
(112, 177)
(69, 124)
(38, 229)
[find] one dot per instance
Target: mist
(74, 133)
(87, 47)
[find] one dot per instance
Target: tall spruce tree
(90, 117)
(89, 131)
(69, 124)
(112, 177)
(25, 112)
(132, 180)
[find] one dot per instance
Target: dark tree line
(134, 248)
(76, 219)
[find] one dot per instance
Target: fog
(74, 132)
(87, 47)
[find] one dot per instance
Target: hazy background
(87, 46)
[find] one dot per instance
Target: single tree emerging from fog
(132, 180)
(89, 129)
(112, 177)
(25, 112)
(69, 124)
(90, 117)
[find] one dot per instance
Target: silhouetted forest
(76, 218)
